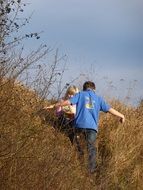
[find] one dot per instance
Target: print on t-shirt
(89, 103)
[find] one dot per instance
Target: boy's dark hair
(89, 84)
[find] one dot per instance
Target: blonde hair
(72, 90)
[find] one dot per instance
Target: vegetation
(34, 155)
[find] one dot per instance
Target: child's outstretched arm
(49, 107)
(58, 104)
(63, 103)
(118, 114)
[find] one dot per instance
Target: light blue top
(88, 107)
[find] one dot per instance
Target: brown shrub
(33, 155)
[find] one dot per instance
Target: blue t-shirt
(88, 106)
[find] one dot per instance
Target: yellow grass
(33, 155)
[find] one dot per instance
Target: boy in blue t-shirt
(88, 106)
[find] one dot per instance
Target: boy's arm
(118, 114)
(49, 107)
(58, 104)
(63, 103)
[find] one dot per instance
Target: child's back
(69, 110)
(65, 114)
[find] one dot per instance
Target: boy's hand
(122, 119)
(115, 112)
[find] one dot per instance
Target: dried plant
(34, 155)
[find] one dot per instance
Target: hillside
(34, 155)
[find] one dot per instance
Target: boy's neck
(89, 89)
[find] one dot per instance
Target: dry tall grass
(35, 156)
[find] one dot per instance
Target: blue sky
(103, 38)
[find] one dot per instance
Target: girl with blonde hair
(65, 114)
